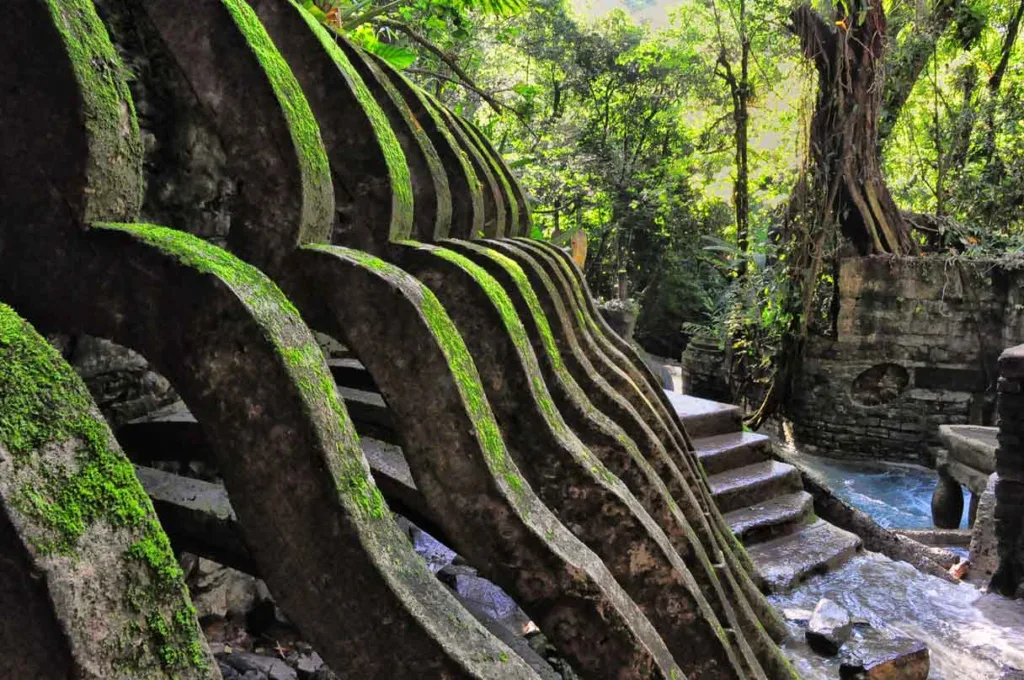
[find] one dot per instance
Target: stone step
(705, 418)
(723, 452)
(788, 560)
(772, 518)
(752, 484)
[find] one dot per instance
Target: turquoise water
(897, 496)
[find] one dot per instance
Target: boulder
(829, 627)
(254, 667)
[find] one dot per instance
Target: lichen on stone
(44, 404)
(115, 150)
(317, 189)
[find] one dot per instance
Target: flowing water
(970, 635)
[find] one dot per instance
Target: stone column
(1009, 512)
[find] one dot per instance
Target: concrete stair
(731, 450)
(763, 500)
(741, 487)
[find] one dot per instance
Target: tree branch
(449, 60)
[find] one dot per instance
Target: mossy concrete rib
(609, 442)
(602, 512)
(473, 134)
(683, 494)
(373, 185)
(683, 478)
(271, 137)
(91, 585)
(80, 101)
(522, 226)
(467, 192)
(432, 199)
(455, 449)
(252, 373)
(493, 197)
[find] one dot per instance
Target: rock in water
(830, 626)
(886, 659)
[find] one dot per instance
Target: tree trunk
(843, 181)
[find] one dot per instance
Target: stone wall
(1009, 484)
(916, 346)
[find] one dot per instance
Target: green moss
(318, 191)
(394, 158)
(44, 403)
(513, 326)
(463, 370)
(433, 109)
(479, 165)
(489, 154)
(299, 351)
(438, 175)
(115, 150)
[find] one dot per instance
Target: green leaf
(399, 57)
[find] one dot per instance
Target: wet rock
(307, 665)
(436, 554)
(797, 615)
(450, 573)
(882, 658)
(492, 601)
(249, 666)
(219, 592)
(828, 628)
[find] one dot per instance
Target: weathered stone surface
(571, 338)
(372, 183)
(618, 368)
(521, 227)
(610, 444)
(235, 349)
(971, 445)
(247, 665)
(828, 628)
(882, 658)
(984, 551)
(510, 206)
(456, 453)
(432, 199)
(947, 503)
(1009, 511)
(86, 565)
(467, 192)
(286, 193)
(601, 510)
(493, 197)
(120, 381)
(198, 517)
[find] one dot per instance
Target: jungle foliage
(721, 155)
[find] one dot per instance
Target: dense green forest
(721, 155)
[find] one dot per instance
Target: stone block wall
(916, 346)
(1009, 486)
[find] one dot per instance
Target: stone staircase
(763, 499)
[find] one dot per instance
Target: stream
(971, 635)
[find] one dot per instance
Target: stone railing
(1009, 487)
(538, 441)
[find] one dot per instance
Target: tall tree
(843, 182)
